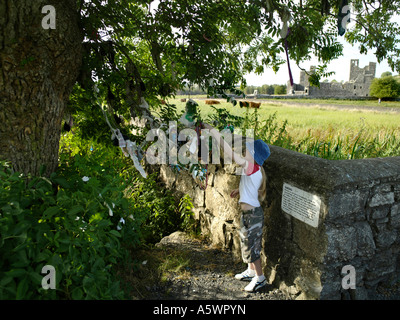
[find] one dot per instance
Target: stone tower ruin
(358, 74)
(358, 85)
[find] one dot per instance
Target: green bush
(385, 87)
(68, 223)
(83, 220)
(65, 228)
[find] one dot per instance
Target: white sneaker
(246, 275)
(256, 283)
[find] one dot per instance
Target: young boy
(251, 191)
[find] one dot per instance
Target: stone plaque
(300, 204)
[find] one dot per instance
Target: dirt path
(194, 270)
(183, 268)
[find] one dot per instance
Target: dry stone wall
(357, 222)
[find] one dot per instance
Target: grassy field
(348, 102)
(329, 132)
(305, 117)
(317, 117)
(368, 103)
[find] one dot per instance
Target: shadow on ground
(184, 268)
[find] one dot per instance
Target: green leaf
(49, 212)
(5, 281)
(47, 180)
(115, 233)
(36, 277)
(77, 294)
(16, 273)
(42, 170)
(75, 209)
(22, 289)
(22, 260)
(62, 182)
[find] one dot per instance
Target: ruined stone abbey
(358, 85)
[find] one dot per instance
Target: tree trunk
(38, 68)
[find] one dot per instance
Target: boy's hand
(235, 193)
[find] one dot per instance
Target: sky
(340, 66)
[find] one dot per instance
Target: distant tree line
(267, 89)
(264, 89)
(387, 86)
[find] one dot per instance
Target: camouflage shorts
(251, 228)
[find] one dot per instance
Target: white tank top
(248, 188)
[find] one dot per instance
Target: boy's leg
(251, 237)
(256, 265)
(249, 273)
(259, 280)
(250, 232)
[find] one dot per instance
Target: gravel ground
(208, 276)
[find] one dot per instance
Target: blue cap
(259, 151)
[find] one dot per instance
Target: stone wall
(358, 223)
(217, 212)
(335, 89)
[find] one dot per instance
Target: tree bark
(38, 68)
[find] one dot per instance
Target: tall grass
(334, 144)
(327, 134)
(356, 145)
